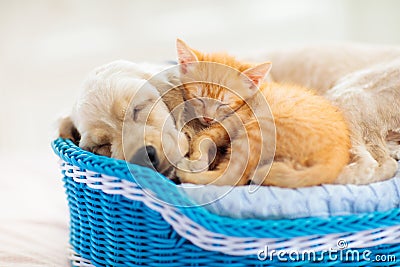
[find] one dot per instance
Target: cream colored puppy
(119, 113)
(364, 82)
(321, 66)
(370, 101)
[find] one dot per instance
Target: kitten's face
(210, 102)
(216, 85)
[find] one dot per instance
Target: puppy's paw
(387, 169)
(393, 144)
(360, 172)
(395, 153)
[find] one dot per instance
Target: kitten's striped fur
(312, 138)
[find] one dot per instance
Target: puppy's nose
(146, 156)
(152, 154)
(208, 120)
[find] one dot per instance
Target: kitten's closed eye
(225, 109)
(224, 106)
(197, 101)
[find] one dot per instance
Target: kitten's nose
(146, 156)
(208, 120)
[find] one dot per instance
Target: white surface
(47, 47)
(34, 215)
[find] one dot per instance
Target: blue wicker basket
(120, 217)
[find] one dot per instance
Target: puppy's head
(150, 137)
(119, 114)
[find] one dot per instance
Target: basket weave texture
(127, 215)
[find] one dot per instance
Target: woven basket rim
(258, 228)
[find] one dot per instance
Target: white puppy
(119, 113)
(370, 101)
(364, 82)
(321, 66)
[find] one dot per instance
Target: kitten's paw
(203, 152)
(193, 166)
(184, 174)
(182, 166)
(195, 155)
(199, 165)
(190, 178)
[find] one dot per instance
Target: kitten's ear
(257, 73)
(185, 54)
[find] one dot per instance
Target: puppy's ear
(67, 130)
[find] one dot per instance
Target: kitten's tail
(285, 175)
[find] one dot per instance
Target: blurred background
(48, 47)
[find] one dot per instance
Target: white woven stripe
(77, 260)
(230, 245)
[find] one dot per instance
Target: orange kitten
(312, 138)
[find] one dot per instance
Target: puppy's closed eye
(141, 107)
(136, 111)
